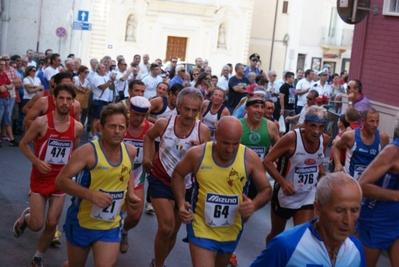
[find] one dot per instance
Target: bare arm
(377, 169)
(240, 88)
(322, 171)
(35, 132)
(37, 109)
(273, 132)
(31, 102)
(204, 106)
(188, 164)
(33, 88)
(225, 112)
(76, 106)
(148, 144)
(282, 103)
(257, 174)
(345, 142)
(78, 134)
(17, 82)
(284, 147)
(83, 157)
(205, 134)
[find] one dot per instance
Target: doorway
(300, 64)
(176, 47)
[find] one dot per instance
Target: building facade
(300, 34)
(375, 56)
(218, 30)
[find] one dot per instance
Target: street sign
(81, 26)
(83, 15)
(60, 32)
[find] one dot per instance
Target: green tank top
(259, 141)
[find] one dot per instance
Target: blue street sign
(83, 15)
(81, 26)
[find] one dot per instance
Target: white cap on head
(140, 104)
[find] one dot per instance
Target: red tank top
(141, 136)
(51, 106)
(54, 147)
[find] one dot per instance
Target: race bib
(58, 152)
(358, 170)
(139, 146)
(260, 151)
(305, 178)
(220, 210)
(109, 213)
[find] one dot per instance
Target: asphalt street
(14, 182)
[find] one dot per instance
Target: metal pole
(39, 26)
(59, 46)
(274, 32)
(353, 18)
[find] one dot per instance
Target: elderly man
(177, 134)
(378, 224)
(223, 82)
(223, 170)
(356, 99)
(299, 155)
(327, 240)
(179, 76)
(145, 64)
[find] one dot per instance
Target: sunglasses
(308, 98)
(254, 60)
(269, 108)
(174, 61)
(32, 70)
(350, 87)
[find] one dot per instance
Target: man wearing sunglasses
(356, 99)
(254, 58)
(179, 76)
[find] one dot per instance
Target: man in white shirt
(29, 55)
(322, 85)
(123, 76)
(144, 65)
(101, 85)
(151, 81)
(302, 88)
(223, 82)
(50, 71)
(92, 72)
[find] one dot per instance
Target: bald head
(230, 126)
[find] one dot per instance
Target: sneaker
(148, 208)
(36, 262)
(152, 263)
(14, 143)
(19, 227)
(124, 243)
(233, 261)
(56, 239)
(5, 137)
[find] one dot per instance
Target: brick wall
(375, 56)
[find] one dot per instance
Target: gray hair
(191, 92)
(68, 60)
(326, 184)
(92, 60)
(179, 68)
(316, 114)
(97, 67)
(226, 67)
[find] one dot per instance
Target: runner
(104, 181)
(178, 134)
(138, 126)
(219, 206)
(55, 136)
(300, 155)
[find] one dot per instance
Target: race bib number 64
(220, 210)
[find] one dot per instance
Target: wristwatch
(350, 103)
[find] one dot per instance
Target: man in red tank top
(55, 136)
(45, 104)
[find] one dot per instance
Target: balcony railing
(334, 37)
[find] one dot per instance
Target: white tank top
(303, 171)
(172, 148)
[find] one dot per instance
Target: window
(391, 8)
(285, 7)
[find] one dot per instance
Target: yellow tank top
(112, 179)
(217, 192)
